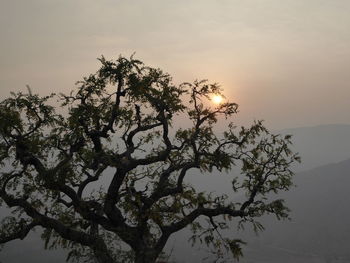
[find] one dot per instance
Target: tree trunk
(101, 253)
(146, 255)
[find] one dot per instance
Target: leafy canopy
(111, 169)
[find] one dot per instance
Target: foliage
(112, 168)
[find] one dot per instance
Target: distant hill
(320, 227)
(319, 230)
(320, 145)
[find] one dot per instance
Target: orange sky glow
(283, 61)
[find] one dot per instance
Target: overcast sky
(287, 62)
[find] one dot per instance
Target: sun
(217, 99)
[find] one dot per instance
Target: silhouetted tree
(110, 169)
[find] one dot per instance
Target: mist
(285, 62)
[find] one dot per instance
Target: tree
(111, 169)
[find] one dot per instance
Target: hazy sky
(285, 61)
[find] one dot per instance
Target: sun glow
(217, 99)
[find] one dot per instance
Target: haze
(284, 61)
